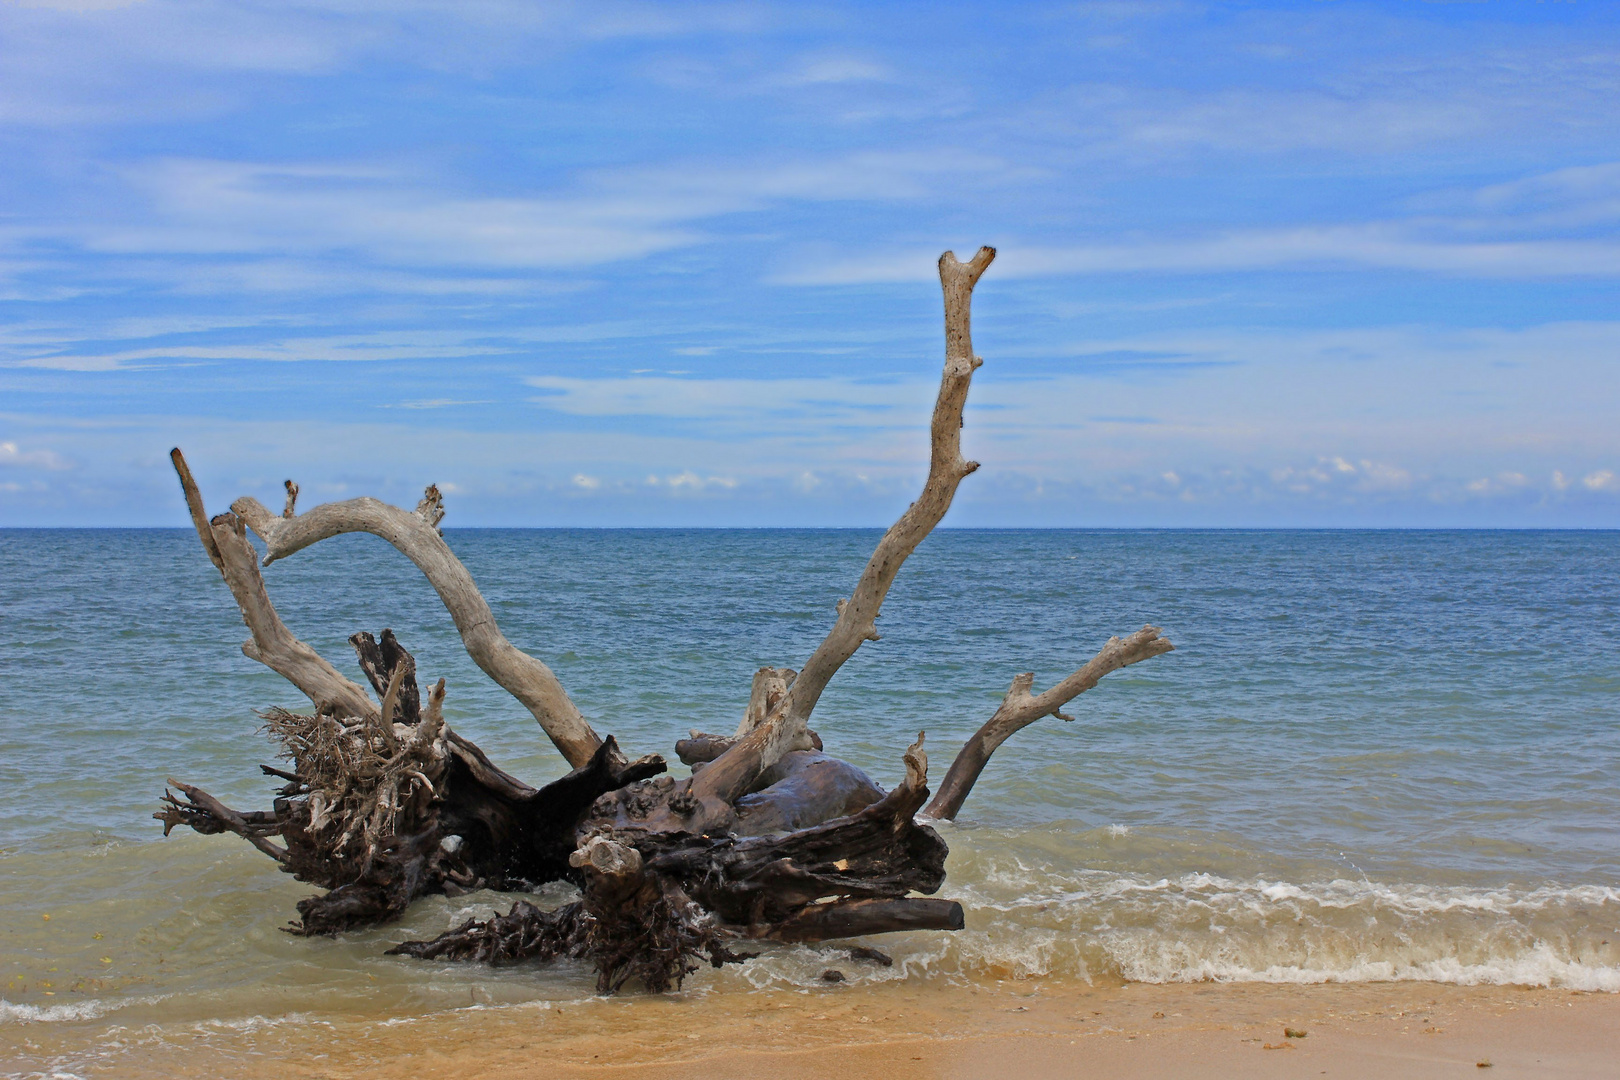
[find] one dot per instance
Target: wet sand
(1031, 1030)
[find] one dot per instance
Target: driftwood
(769, 838)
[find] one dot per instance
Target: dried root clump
(360, 781)
(654, 936)
(524, 933)
(361, 811)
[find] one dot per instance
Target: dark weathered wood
(398, 872)
(702, 748)
(858, 918)
(379, 660)
(459, 822)
(484, 770)
(757, 881)
(206, 814)
(526, 841)
(660, 901)
(524, 933)
(804, 788)
(870, 955)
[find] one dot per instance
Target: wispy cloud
(1257, 260)
(268, 222)
(353, 348)
(836, 69)
(100, 61)
(435, 403)
(749, 403)
(1381, 246)
(13, 455)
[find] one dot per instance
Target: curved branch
(1020, 708)
(857, 616)
(784, 731)
(273, 645)
(417, 536)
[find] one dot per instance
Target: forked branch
(1020, 708)
(273, 645)
(416, 535)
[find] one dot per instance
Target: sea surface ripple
(1373, 755)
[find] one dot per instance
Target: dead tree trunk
(769, 838)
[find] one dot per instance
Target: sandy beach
(1031, 1030)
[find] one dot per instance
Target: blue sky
(1311, 263)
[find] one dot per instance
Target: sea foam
(1200, 926)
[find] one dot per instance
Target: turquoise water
(1374, 755)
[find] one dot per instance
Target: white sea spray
(92, 1009)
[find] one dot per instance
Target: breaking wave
(1027, 920)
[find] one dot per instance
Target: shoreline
(1034, 1029)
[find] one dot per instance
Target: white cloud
(1269, 122)
(1393, 416)
(287, 351)
(436, 403)
(96, 61)
(1563, 198)
(88, 63)
(804, 403)
(1377, 409)
(1384, 246)
(1381, 476)
(56, 351)
(689, 482)
(1601, 480)
(836, 69)
(12, 454)
(281, 217)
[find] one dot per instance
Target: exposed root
(524, 933)
(361, 781)
(655, 937)
(654, 934)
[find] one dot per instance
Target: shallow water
(1374, 755)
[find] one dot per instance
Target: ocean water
(1373, 756)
